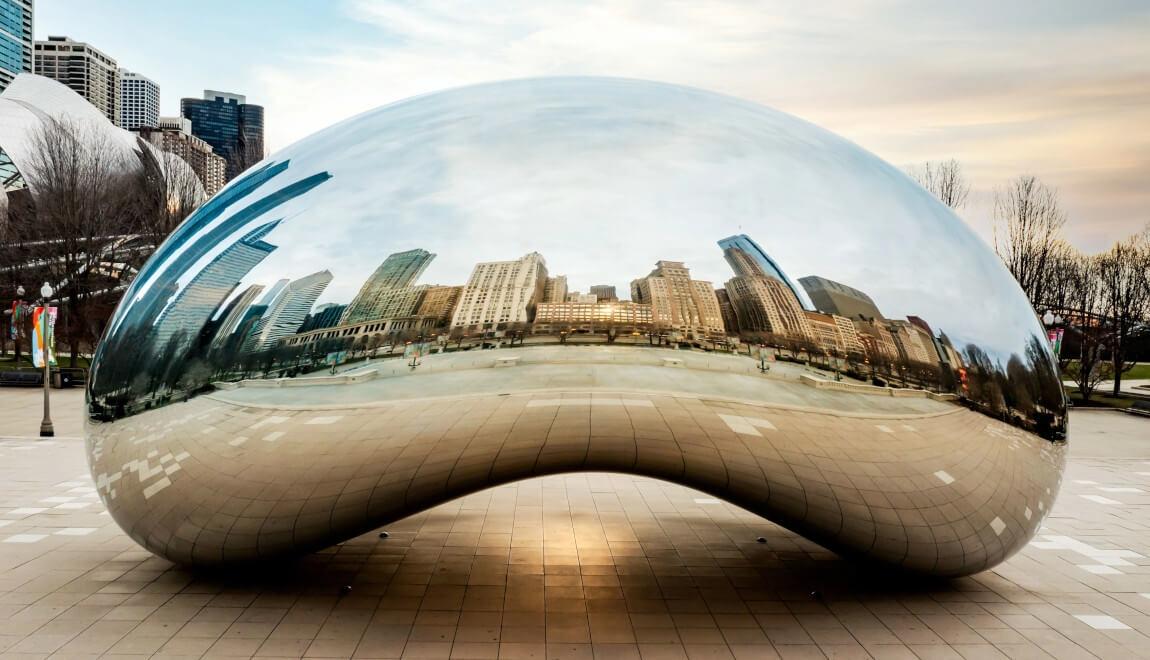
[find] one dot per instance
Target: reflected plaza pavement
(587, 565)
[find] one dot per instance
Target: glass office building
(234, 128)
(15, 39)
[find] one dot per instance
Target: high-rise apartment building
(556, 289)
(834, 333)
(577, 297)
(766, 304)
(747, 259)
(174, 135)
(502, 292)
(287, 312)
(389, 292)
(234, 314)
(85, 69)
(439, 303)
(678, 302)
(324, 316)
(234, 127)
(16, 51)
(833, 297)
(139, 101)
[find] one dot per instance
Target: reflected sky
(606, 176)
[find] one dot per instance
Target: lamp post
(46, 428)
(1053, 321)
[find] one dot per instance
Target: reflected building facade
(501, 292)
(836, 298)
(679, 303)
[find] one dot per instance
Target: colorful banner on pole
(1055, 337)
(43, 335)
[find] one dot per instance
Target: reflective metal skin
(384, 316)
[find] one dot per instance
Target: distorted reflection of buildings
(835, 298)
(195, 303)
(590, 316)
(389, 292)
(286, 313)
(555, 290)
(502, 292)
(679, 303)
(604, 292)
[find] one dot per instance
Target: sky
(1055, 88)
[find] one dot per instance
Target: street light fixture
(47, 430)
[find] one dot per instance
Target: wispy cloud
(1060, 89)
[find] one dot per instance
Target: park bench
(1140, 407)
(22, 378)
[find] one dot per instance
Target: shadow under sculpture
(541, 276)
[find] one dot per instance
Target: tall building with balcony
(139, 101)
(83, 68)
(502, 292)
(174, 135)
(234, 128)
(16, 50)
(389, 292)
(678, 302)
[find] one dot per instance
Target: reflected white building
(502, 292)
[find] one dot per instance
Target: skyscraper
(747, 259)
(174, 135)
(678, 302)
(234, 127)
(833, 297)
(234, 314)
(195, 304)
(15, 39)
(287, 312)
(556, 289)
(139, 101)
(766, 304)
(604, 292)
(85, 69)
(502, 292)
(389, 290)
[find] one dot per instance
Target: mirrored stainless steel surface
(522, 278)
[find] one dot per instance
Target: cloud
(1059, 90)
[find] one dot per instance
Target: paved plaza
(575, 566)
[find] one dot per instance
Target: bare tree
(1090, 327)
(83, 200)
(1028, 223)
(169, 191)
(944, 180)
(1124, 274)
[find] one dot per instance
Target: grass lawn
(1098, 400)
(1141, 371)
(6, 362)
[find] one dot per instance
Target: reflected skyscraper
(287, 313)
(747, 259)
(383, 295)
(679, 302)
(235, 312)
(194, 305)
(502, 292)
